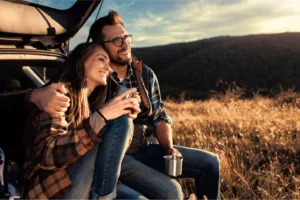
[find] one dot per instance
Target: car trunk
(34, 40)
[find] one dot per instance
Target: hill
(264, 63)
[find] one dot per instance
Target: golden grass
(257, 141)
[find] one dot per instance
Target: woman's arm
(58, 143)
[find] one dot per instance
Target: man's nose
(125, 44)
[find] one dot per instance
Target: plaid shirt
(56, 143)
(158, 109)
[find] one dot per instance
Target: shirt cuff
(96, 122)
(166, 118)
(93, 125)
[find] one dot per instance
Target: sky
(160, 22)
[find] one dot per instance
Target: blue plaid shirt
(158, 109)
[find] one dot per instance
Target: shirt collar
(129, 71)
(128, 76)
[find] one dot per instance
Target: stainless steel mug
(173, 165)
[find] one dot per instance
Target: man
(142, 166)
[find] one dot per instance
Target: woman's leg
(116, 137)
(81, 174)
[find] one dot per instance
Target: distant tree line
(264, 64)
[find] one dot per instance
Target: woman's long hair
(74, 76)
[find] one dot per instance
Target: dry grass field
(257, 140)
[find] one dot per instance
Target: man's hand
(173, 151)
(51, 99)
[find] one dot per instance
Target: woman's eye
(101, 59)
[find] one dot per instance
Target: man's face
(118, 55)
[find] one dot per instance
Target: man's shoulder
(147, 69)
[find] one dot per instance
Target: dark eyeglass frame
(127, 38)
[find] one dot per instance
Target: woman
(61, 151)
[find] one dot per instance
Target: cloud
(148, 21)
(166, 21)
(120, 6)
(202, 19)
(80, 37)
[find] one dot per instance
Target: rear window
(13, 78)
(57, 4)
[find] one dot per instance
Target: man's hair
(113, 18)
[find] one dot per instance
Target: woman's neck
(90, 90)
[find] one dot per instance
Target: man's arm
(165, 138)
(160, 120)
(50, 99)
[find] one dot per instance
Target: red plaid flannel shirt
(56, 143)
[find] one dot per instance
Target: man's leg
(203, 166)
(109, 157)
(125, 192)
(150, 182)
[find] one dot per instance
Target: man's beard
(121, 61)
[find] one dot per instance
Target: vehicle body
(34, 41)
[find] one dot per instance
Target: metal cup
(173, 165)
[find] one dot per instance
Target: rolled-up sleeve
(158, 108)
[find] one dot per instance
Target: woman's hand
(135, 110)
(121, 105)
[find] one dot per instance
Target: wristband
(102, 116)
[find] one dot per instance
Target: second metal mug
(173, 165)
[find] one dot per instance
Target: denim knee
(174, 190)
(94, 195)
(215, 165)
(127, 123)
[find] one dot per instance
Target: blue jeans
(110, 154)
(125, 192)
(144, 172)
(95, 174)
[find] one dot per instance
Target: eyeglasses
(119, 41)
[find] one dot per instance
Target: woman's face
(97, 68)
